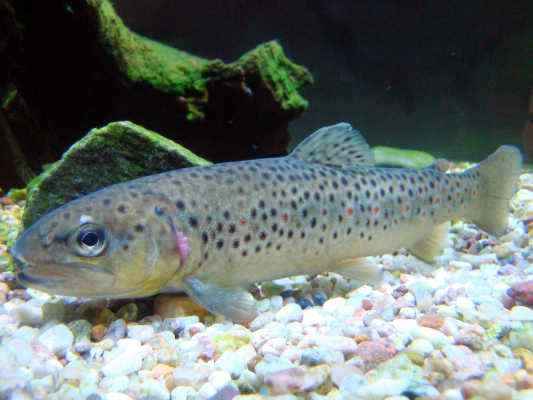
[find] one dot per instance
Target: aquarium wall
(452, 78)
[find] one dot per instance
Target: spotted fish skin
(207, 230)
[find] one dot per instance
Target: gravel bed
(462, 329)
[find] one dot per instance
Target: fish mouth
(70, 279)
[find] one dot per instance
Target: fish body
(212, 231)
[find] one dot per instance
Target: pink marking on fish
(182, 244)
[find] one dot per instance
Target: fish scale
(212, 231)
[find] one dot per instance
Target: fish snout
(15, 252)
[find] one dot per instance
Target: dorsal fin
(339, 145)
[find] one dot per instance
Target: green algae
(276, 70)
(144, 61)
(117, 152)
(395, 157)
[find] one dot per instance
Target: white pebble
(408, 312)
(154, 389)
(124, 363)
(57, 339)
(332, 305)
(276, 302)
(183, 393)
(142, 333)
(422, 347)
(521, 313)
(289, 313)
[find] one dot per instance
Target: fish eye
(90, 240)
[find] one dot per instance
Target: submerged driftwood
(82, 67)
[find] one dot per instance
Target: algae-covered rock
(115, 153)
(394, 157)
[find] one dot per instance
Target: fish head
(110, 244)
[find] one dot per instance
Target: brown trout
(212, 231)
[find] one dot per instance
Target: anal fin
(234, 303)
(365, 270)
(431, 245)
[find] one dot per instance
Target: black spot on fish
(139, 228)
(158, 211)
(235, 244)
(193, 222)
(122, 209)
(204, 237)
(220, 244)
(232, 228)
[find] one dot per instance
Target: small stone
(140, 332)
(98, 332)
(276, 302)
(232, 362)
(289, 313)
(431, 321)
(81, 329)
(421, 347)
(128, 312)
(183, 393)
(334, 304)
(521, 313)
(467, 364)
(522, 337)
(27, 314)
(319, 356)
(522, 292)
(304, 303)
(105, 317)
(261, 320)
(58, 339)
(408, 312)
(124, 363)
(319, 298)
(312, 317)
(191, 376)
(230, 341)
(297, 380)
(173, 306)
(375, 351)
(526, 357)
(154, 390)
(116, 330)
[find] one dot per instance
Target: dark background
(450, 77)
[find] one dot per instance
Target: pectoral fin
(363, 269)
(233, 303)
(432, 245)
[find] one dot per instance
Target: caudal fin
(498, 178)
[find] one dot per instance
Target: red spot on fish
(375, 210)
(242, 221)
(285, 217)
(349, 211)
(182, 245)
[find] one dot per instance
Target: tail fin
(499, 174)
